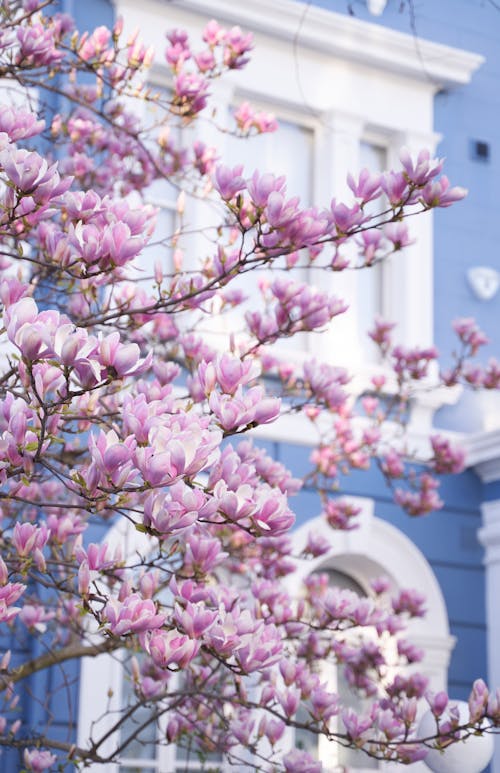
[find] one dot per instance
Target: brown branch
(52, 658)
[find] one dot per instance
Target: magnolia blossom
(133, 615)
(38, 760)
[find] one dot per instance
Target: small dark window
(480, 150)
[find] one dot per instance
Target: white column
(337, 154)
(409, 285)
(489, 537)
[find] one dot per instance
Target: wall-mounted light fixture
(484, 282)
(376, 7)
(472, 755)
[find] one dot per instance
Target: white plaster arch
(377, 547)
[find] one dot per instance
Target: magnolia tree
(116, 406)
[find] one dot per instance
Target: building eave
(347, 38)
(483, 453)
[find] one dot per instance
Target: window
(289, 152)
(146, 753)
(334, 757)
(347, 90)
(162, 195)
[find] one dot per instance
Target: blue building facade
(460, 94)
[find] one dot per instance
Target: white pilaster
(338, 153)
(489, 537)
(409, 284)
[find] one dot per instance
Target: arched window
(377, 548)
(337, 758)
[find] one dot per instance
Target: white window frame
(351, 78)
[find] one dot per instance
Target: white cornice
(483, 453)
(346, 37)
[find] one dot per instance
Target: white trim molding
(483, 453)
(346, 37)
(489, 537)
(377, 547)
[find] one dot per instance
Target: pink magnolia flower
(396, 187)
(356, 725)
(30, 173)
(9, 594)
(324, 704)
(190, 93)
(410, 602)
(236, 45)
(203, 553)
(228, 182)
(19, 124)
(171, 648)
(37, 46)
(247, 118)
(437, 702)
(28, 538)
(298, 761)
(174, 511)
(381, 334)
(273, 729)
(398, 235)
(409, 651)
(272, 514)
(243, 408)
(119, 244)
(184, 446)
(470, 334)
(260, 649)
(439, 193)
(92, 46)
(133, 615)
(38, 760)
(260, 186)
(367, 187)
(122, 359)
(478, 700)
(423, 169)
(445, 458)
(35, 617)
(341, 514)
(213, 33)
(194, 619)
(423, 499)
(228, 373)
(205, 60)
